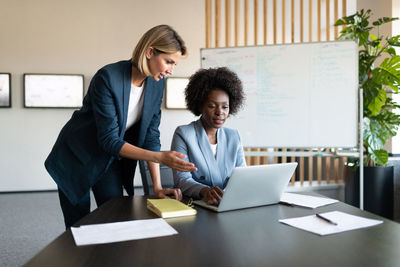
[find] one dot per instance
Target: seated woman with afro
(213, 94)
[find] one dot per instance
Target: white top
(214, 149)
(135, 105)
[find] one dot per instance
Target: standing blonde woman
(118, 124)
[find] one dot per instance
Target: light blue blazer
(192, 141)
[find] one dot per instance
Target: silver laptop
(254, 186)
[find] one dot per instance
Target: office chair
(167, 180)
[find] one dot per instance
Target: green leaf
(374, 97)
(388, 73)
(362, 38)
(387, 119)
(383, 20)
(380, 157)
(391, 51)
(373, 37)
(374, 134)
(340, 22)
(394, 40)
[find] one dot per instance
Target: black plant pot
(378, 190)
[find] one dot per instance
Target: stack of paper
(121, 231)
(306, 201)
(167, 208)
(330, 222)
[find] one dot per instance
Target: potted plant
(380, 122)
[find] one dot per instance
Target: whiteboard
(53, 90)
(297, 95)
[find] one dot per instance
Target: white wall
(54, 36)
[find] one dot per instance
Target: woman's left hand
(163, 193)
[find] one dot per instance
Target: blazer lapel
(148, 106)
(204, 144)
(221, 139)
(147, 98)
(125, 96)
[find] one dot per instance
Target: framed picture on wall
(5, 90)
(53, 90)
(175, 92)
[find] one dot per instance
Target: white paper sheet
(306, 201)
(121, 231)
(345, 222)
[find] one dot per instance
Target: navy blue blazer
(192, 141)
(92, 139)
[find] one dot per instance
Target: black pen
(325, 219)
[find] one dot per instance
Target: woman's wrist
(156, 156)
(204, 191)
(157, 189)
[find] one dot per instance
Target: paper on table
(306, 201)
(345, 222)
(121, 231)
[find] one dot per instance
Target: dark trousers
(109, 186)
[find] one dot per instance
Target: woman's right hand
(212, 195)
(175, 161)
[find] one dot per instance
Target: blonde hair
(163, 39)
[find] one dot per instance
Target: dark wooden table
(248, 237)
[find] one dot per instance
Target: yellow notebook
(167, 208)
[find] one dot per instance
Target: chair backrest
(167, 179)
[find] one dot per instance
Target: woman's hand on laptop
(212, 195)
